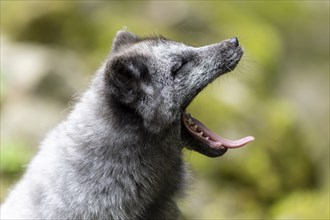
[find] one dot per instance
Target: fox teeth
(207, 138)
(190, 122)
(200, 134)
(194, 128)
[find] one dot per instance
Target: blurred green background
(279, 93)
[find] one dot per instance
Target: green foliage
(14, 156)
(279, 93)
(302, 205)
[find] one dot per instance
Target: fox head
(157, 78)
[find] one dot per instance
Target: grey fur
(118, 155)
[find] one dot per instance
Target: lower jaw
(199, 131)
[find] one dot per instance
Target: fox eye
(178, 66)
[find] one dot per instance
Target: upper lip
(231, 63)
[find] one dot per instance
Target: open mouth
(212, 144)
(198, 130)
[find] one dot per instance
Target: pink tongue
(220, 141)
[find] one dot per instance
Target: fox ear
(125, 74)
(123, 38)
(129, 68)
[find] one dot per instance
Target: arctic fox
(118, 155)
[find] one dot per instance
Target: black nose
(234, 41)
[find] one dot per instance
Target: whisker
(233, 72)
